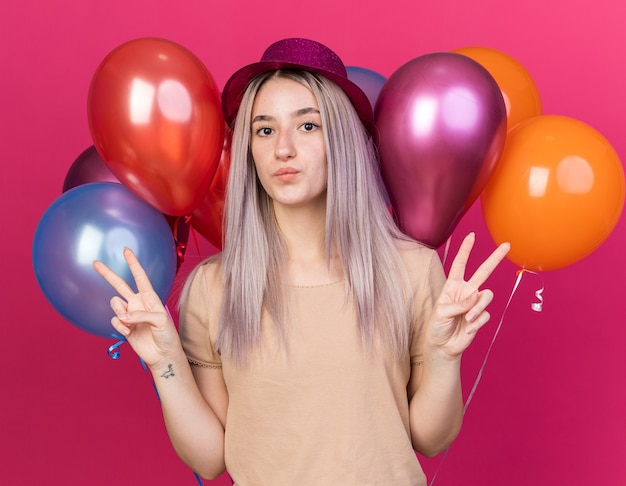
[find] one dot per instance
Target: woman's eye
(309, 126)
(264, 132)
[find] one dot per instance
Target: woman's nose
(285, 147)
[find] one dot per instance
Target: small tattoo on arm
(169, 373)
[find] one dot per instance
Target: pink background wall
(551, 408)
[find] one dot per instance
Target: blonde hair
(359, 230)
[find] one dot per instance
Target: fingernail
(470, 329)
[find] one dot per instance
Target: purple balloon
(369, 81)
(96, 222)
(441, 123)
(88, 167)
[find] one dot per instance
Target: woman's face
(287, 143)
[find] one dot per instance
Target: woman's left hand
(460, 310)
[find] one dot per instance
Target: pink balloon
(441, 123)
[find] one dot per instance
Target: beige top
(326, 412)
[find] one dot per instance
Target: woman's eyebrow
(297, 113)
(260, 118)
(306, 111)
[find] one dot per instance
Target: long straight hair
(359, 230)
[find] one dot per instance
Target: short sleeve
(428, 278)
(199, 314)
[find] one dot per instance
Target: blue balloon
(91, 222)
(369, 81)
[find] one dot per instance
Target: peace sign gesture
(460, 310)
(140, 316)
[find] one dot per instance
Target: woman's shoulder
(205, 275)
(412, 251)
(422, 264)
(211, 267)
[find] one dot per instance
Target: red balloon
(441, 124)
(155, 118)
(207, 218)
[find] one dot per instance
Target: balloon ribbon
(114, 349)
(180, 246)
(537, 307)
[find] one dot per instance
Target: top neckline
(294, 286)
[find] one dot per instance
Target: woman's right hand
(141, 317)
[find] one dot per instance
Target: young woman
(322, 346)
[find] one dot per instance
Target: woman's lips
(286, 174)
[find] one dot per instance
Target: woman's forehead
(283, 95)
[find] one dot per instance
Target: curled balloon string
(536, 306)
(180, 251)
(519, 274)
(180, 246)
(114, 349)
